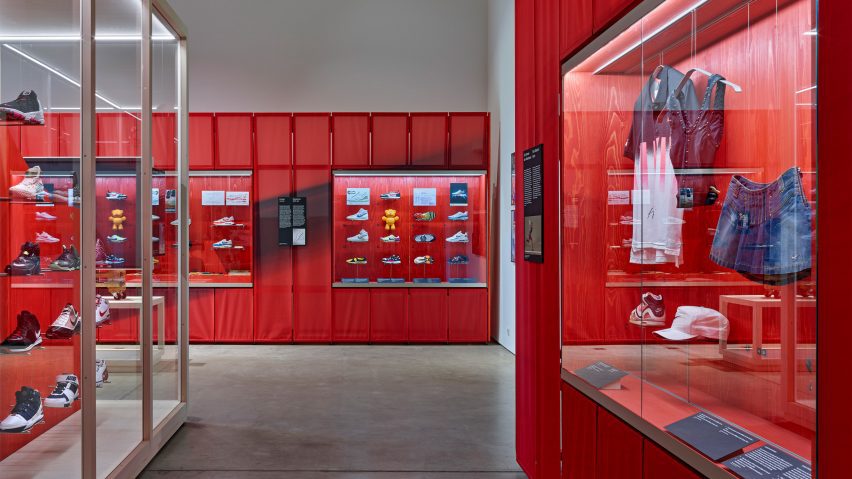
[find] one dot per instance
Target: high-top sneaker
(68, 260)
(31, 187)
(101, 311)
(651, 312)
(101, 373)
(66, 325)
(25, 108)
(27, 412)
(28, 261)
(26, 335)
(67, 391)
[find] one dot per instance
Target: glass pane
(40, 289)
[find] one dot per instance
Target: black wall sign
(292, 221)
(533, 205)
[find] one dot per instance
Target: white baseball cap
(693, 321)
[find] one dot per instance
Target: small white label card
(212, 198)
(425, 196)
(618, 197)
(155, 197)
(237, 198)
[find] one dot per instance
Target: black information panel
(712, 437)
(533, 205)
(292, 220)
(766, 462)
(601, 375)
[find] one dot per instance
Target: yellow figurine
(117, 219)
(390, 218)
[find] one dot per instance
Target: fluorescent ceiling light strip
(810, 32)
(651, 35)
(65, 77)
(806, 89)
(76, 39)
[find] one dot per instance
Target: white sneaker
(44, 237)
(361, 215)
(155, 218)
(101, 310)
(101, 373)
(460, 216)
(30, 187)
(458, 238)
(67, 391)
(224, 221)
(459, 194)
(361, 237)
(177, 222)
(66, 325)
(44, 216)
(26, 413)
(390, 239)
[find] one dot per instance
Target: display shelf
(408, 285)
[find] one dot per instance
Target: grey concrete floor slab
(346, 412)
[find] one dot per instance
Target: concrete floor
(346, 412)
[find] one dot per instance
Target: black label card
(711, 436)
(458, 194)
(534, 205)
(767, 462)
(600, 374)
(292, 220)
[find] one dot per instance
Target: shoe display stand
(123, 358)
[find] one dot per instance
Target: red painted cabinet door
(351, 323)
(41, 140)
(201, 141)
(605, 11)
(468, 315)
(658, 464)
(311, 139)
(312, 263)
(469, 140)
(117, 135)
(427, 315)
(390, 139)
(272, 139)
(170, 314)
(234, 315)
(429, 139)
(164, 141)
(388, 315)
(350, 140)
(619, 447)
(233, 141)
(69, 134)
(201, 314)
(579, 430)
(575, 24)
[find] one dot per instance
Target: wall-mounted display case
(409, 228)
(688, 219)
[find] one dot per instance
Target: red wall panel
(468, 321)
(164, 140)
(659, 464)
(233, 315)
(575, 24)
(233, 141)
(311, 139)
(429, 139)
(351, 321)
(69, 134)
(273, 145)
(201, 156)
(351, 140)
(41, 140)
(117, 135)
(170, 311)
(201, 314)
(390, 139)
(469, 140)
(619, 454)
(579, 434)
(388, 315)
(273, 266)
(427, 315)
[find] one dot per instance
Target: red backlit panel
(351, 140)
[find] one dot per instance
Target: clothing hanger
(685, 79)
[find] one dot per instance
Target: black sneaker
(26, 335)
(65, 392)
(26, 413)
(28, 261)
(25, 108)
(68, 260)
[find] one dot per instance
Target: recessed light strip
(74, 39)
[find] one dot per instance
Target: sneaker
(223, 243)
(361, 215)
(116, 239)
(25, 108)
(66, 325)
(425, 216)
(44, 237)
(392, 259)
(68, 260)
(390, 195)
(101, 311)
(44, 216)
(460, 259)
(224, 221)
(361, 237)
(427, 238)
(171, 198)
(460, 194)
(28, 261)
(112, 259)
(357, 260)
(100, 254)
(356, 197)
(114, 196)
(460, 216)
(155, 239)
(177, 222)
(31, 187)
(101, 373)
(65, 392)
(651, 312)
(390, 239)
(424, 260)
(27, 334)
(458, 238)
(155, 218)
(26, 413)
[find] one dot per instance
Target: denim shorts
(764, 231)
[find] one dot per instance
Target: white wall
(501, 104)
(336, 55)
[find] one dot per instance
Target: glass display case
(688, 221)
(92, 360)
(416, 228)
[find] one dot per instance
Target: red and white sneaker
(101, 311)
(44, 237)
(31, 187)
(225, 221)
(651, 312)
